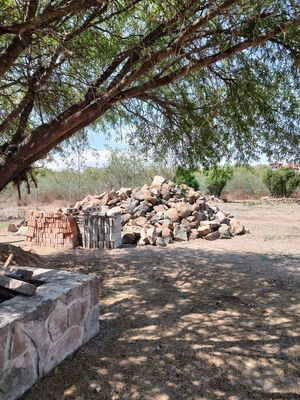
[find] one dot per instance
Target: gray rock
(187, 224)
(156, 218)
(131, 205)
(38, 332)
(199, 216)
(160, 242)
(168, 240)
(225, 231)
(180, 233)
(213, 236)
(141, 210)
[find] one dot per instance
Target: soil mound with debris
(164, 212)
(21, 257)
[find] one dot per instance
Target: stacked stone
(101, 230)
(164, 212)
(52, 229)
(38, 332)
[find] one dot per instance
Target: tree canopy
(207, 79)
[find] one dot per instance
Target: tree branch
(202, 63)
(50, 14)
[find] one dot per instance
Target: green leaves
(282, 182)
(204, 81)
(187, 177)
(216, 178)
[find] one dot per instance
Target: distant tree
(246, 180)
(186, 176)
(282, 182)
(123, 169)
(205, 78)
(131, 168)
(216, 179)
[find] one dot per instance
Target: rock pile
(164, 212)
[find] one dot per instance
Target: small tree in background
(186, 176)
(281, 183)
(216, 179)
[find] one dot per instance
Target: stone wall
(38, 332)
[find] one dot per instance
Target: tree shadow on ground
(183, 323)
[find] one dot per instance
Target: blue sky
(100, 141)
(90, 158)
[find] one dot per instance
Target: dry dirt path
(202, 320)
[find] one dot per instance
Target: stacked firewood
(52, 229)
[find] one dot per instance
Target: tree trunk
(17, 161)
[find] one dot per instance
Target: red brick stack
(52, 229)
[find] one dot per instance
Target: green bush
(186, 176)
(282, 182)
(246, 180)
(216, 178)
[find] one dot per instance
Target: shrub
(282, 182)
(216, 178)
(246, 181)
(186, 176)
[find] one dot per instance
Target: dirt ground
(198, 320)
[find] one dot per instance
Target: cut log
(17, 286)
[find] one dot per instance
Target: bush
(282, 182)
(246, 181)
(186, 176)
(216, 178)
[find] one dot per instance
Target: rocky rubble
(164, 212)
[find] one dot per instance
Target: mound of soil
(21, 257)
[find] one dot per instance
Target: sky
(95, 156)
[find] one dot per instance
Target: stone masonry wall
(38, 332)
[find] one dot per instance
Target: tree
(187, 177)
(206, 78)
(216, 178)
(122, 168)
(130, 168)
(282, 182)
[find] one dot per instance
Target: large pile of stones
(164, 212)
